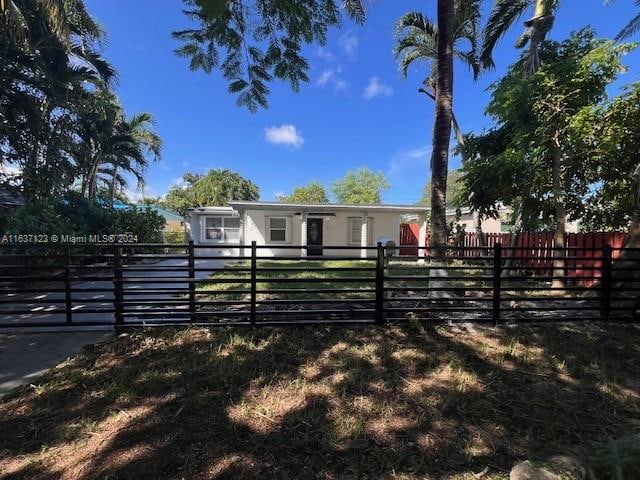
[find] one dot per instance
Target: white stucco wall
(335, 232)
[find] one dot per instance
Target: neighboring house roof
(218, 210)
(326, 207)
(167, 214)
(163, 212)
(10, 199)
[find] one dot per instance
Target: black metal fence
(128, 285)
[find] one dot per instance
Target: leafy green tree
(256, 42)
(150, 201)
(179, 199)
(50, 64)
(312, 193)
(360, 187)
(607, 139)
(534, 115)
(216, 188)
(453, 187)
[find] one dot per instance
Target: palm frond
(502, 16)
(416, 21)
(630, 29)
(356, 9)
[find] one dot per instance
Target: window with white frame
(222, 229)
(278, 229)
(355, 230)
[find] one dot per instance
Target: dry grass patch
(399, 402)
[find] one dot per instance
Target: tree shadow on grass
(392, 402)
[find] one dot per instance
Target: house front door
(314, 236)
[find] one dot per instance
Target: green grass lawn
(297, 289)
(393, 402)
(272, 278)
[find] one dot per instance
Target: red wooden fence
(409, 235)
(584, 250)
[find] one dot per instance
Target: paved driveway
(38, 307)
(26, 353)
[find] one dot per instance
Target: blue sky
(355, 111)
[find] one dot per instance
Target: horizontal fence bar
(142, 287)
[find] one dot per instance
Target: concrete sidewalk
(25, 356)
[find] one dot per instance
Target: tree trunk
(442, 129)
(538, 33)
(454, 125)
(510, 264)
(559, 253)
(112, 186)
(441, 138)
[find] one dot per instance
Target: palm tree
(110, 145)
(138, 142)
(442, 130)
(504, 13)
(424, 41)
(50, 61)
(62, 19)
(418, 40)
(630, 28)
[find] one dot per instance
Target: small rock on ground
(559, 467)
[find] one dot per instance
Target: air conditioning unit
(390, 246)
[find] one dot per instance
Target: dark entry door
(314, 236)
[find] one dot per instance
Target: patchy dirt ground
(399, 402)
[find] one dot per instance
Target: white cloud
(286, 135)
(325, 54)
(340, 85)
(376, 88)
(178, 182)
(137, 194)
(414, 161)
(325, 77)
(331, 76)
(419, 152)
(349, 43)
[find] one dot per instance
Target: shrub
(77, 216)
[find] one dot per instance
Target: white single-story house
(276, 224)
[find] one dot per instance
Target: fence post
(67, 282)
(605, 283)
(497, 274)
(380, 285)
(117, 283)
(192, 283)
(254, 283)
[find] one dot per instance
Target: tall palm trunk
(454, 125)
(559, 253)
(442, 136)
(538, 33)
